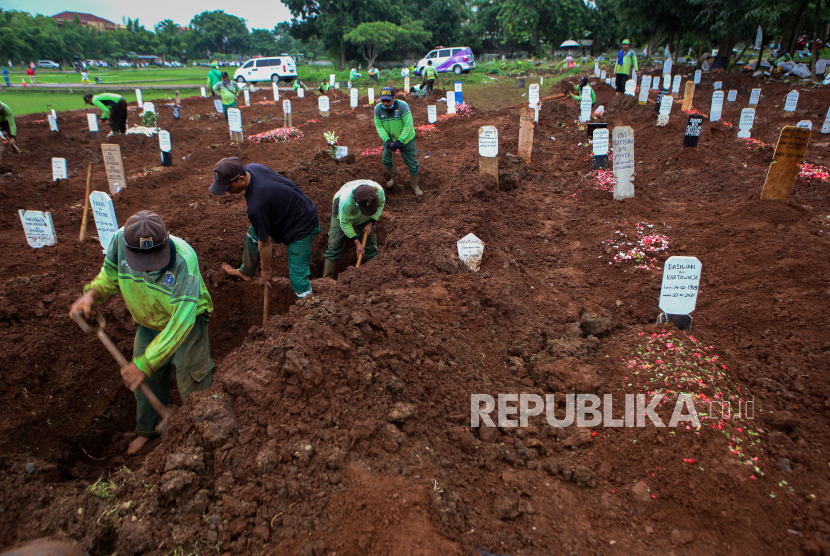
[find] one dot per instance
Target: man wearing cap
(214, 76)
(158, 275)
(113, 109)
(626, 64)
(279, 213)
(228, 91)
(355, 211)
(393, 121)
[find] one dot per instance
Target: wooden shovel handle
(363, 243)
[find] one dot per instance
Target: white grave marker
(353, 98)
(675, 85)
(754, 97)
(323, 103)
(204, 93)
(805, 124)
(149, 107)
(38, 227)
(746, 122)
(247, 94)
(235, 119)
(336, 84)
(300, 93)
(217, 104)
(139, 98)
(603, 75)
(732, 96)
(341, 152)
(596, 70)
(717, 85)
(644, 87)
(471, 250)
(665, 109)
(488, 141)
(600, 143)
(52, 111)
(276, 90)
(623, 139)
(432, 114)
(58, 169)
(630, 87)
(53, 122)
(666, 81)
(585, 105)
(533, 96)
(792, 100)
(678, 294)
(821, 67)
(104, 213)
(286, 106)
(92, 120)
(450, 103)
(331, 80)
(825, 128)
(717, 106)
(371, 95)
(667, 67)
(698, 73)
(164, 141)
(655, 83)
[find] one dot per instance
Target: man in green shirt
(228, 91)
(355, 210)
(158, 275)
(113, 108)
(7, 124)
(393, 121)
(430, 76)
(626, 64)
(577, 94)
(214, 76)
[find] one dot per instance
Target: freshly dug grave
(344, 425)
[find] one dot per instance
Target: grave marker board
(698, 73)
(806, 124)
(217, 104)
(300, 93)
(104, 213)
(604, 75)
(138, 98)
(596, 70)
(754, 97)
(488, 150)
(38, 227)
(371, 95)
(746, 122)
(667, 66)
(204, 93)
(149, 107)
(732, 96)
(630, 87)
(53, 122)
(789, 154)
(600, 146)
(665, 109)
(353, 98)
(471, 251)
(247, 94)
(645, 85)
(791, 102)
(659, 100)
(623, 139)
(675, 85)
(688, 95)
(526, 134)
(115, 167)
(58, 169)
(666, 81)
(717, 85)
(276, 90)
(585, 104)
(450, 103)
(166, 146)
(341, 152)
(323, 105)
(432, 113)
(406, 84)
(235, 124)
(533, 95)
(717, 106)
(825, 128)
(678, 292)
(92, 121)
(332, 77)
(459, 98)
(693, 128)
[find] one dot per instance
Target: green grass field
(23, 103)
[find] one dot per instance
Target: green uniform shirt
(629, 59)
(324, 85)
(395, 124)
(430, 73)
(296, 84)
(103, 100)
(227, 91)
(214, 75)
(166, 300)
(8, 116)
(578, 97)
(353, 74)
(349, 213)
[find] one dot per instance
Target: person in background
(405, 71)
(430, 76)
(7, 125)
(373, 74)
(113, 109)
(324, 86)
(577, 96)
(6, 76)
(214, 76)
(31, 73)
(393, 122)
(228, 91)
(625, 66)
(84, 76)
(356, 209)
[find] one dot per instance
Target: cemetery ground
(343, 426)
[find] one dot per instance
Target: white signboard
(451, 103)
(533, 96)
(803, 123)
(217, 104)
(792, 100)
(371, 95)
(247, 94)
(600, 143)
(644, 87)
(597, 72)
(58, 169)
(717, 85)
(341, 152)
(585, 105)
(458, 87)
(675, 85)
(149, 107)
(717, 106)
(331, 80)
(603, 75)
(235, 119)
(52, 111)
(276, 90)
(821, 66)
(53, 122)
(139, 98)
(300, 93)
(655, 83)
(286, 106)
(164, 141)
(488, 141)
(471, 250)
(732, 96)
(353, 98)
(667, 67)
(754, 97)
(92, 120)
(630, 87)
(681, 276)
(336, 84)
(323, 103)
(204, 93)
(104, 213)
(698, 73)
(623, 139)
(432, 114)
(666, 104)
(746, 122)
(825, 128)
(38, 227)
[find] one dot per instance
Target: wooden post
(265, 304)
(290, 120)
(86, 202)
(489, 165)
(526, 133)
(688, 95)
(789, 153)
(237, 137)
(406, 84)
(178, 99)
(488, 150)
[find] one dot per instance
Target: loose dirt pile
(344, 425)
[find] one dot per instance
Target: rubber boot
(415, 187)
(328, 268)
(391, 183)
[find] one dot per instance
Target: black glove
(397, 145)
(388, 144)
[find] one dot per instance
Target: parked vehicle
(276, 69)
(48, 64)
(457, 59)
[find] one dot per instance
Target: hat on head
(214, 64)
(367, 199)
(626, 41)
(225, 171)
(387, 93)
(148, 244)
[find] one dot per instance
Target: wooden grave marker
(623, 138)
(789, 154)
(526, 134)
(115, 168)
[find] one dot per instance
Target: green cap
(626, 41)
(213, 64)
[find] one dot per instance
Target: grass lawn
(31, 103)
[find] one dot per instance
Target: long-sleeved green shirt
(214, 75)
(105, 101)
(166, 300)
(578, 97)
(347, 210)
(227, 91)
(629, 59)
(8, 116)
(395, 124)
(430, 73)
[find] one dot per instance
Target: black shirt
(277, 208)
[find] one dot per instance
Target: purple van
(457, 59)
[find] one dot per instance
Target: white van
(276, 69)
(457, 59)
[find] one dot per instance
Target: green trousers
(410, 157)
(194, 368)
(225, 108)
(299, 256)
(337, 240)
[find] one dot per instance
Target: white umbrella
(569, 44)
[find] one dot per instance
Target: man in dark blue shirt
(279, 212)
